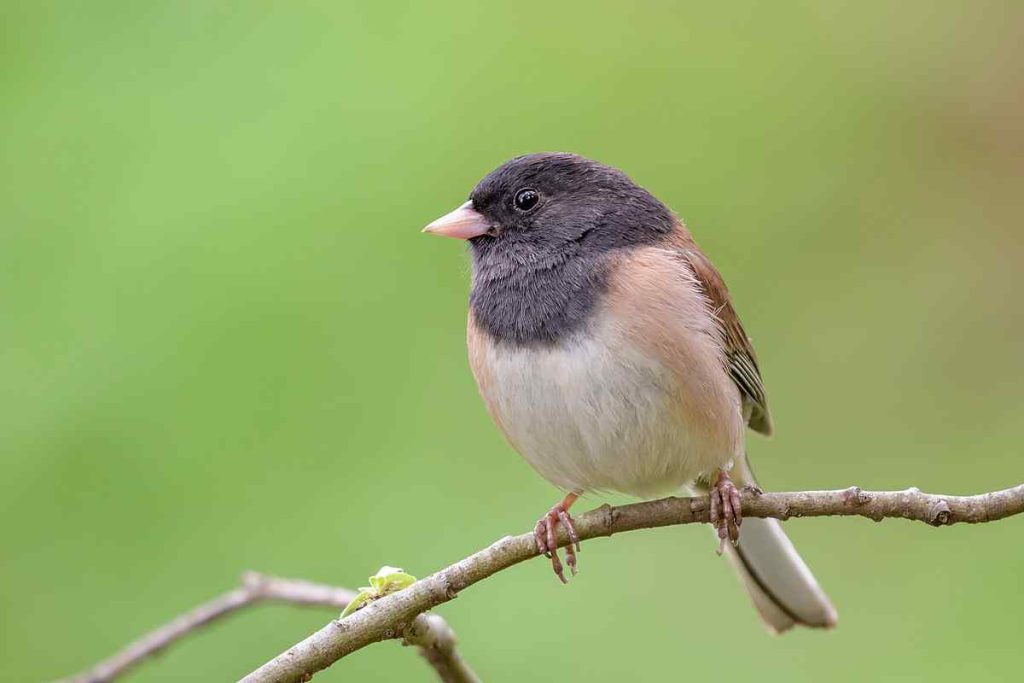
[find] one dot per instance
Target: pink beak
(463, 223)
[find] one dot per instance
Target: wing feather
(740, 356)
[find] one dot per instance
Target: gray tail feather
(781, 586)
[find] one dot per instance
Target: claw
(737, 507)
(574, 540)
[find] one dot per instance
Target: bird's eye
(526, 199)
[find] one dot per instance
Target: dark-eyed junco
(607, 350)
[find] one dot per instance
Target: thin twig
(429, 632)
(390, 614)
(436, 642)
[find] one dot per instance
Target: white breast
(595, 413)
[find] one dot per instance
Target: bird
(607, 350)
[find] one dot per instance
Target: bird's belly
(596, 414)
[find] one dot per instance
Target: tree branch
(393, 613)
(436, 642)
(429, 632)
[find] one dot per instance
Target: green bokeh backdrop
(224, 345)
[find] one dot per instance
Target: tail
(783, 589)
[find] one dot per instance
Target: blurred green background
(224, 344)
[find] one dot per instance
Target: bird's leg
(726, 513)
(546, 536)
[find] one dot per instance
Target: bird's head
(552, 205)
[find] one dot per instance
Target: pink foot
(546, 536)
(726, 513)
